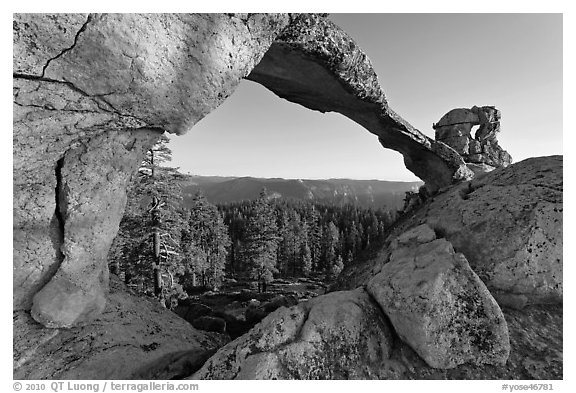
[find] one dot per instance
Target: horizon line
(303, 178)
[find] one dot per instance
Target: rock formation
(342, 335)
(93, 92)
(134, 338)
(508, 225)
(439, 318)
(316, 64)
(481, 152)
(84, 84)
(434, 300)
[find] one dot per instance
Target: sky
(427, 65)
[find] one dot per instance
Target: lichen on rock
(342, 335)
(437, 304)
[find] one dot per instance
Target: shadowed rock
(133, 338)
(210, 324)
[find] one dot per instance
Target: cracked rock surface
(437, 304)
(91, 93)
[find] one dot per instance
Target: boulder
(254, 314)
(508, 225)
(210, 324)
(256, 311)
(135, 337)
(341, 335)
(235, 327)
(438, 305)
(536, 352)
(280, 301)
(191, 310)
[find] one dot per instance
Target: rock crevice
(80, 31)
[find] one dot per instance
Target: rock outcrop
(316, 64)
(91, 94)
(342, 335)
(436, 295)
(134, 338)
(508, 225)
(437, 304)
(481, 151)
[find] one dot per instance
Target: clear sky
(427, 65)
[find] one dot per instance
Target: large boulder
(255, 313)
(342, 335)
(508, 225)
(536, 351)
(134, 337)
(438, 305)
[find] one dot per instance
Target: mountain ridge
(366, 193)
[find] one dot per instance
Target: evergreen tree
(306, 258)
(336, 268)
(147, 249)
(206, 245)
(261, 242)
(330, 241)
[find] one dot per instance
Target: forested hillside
(168, 251)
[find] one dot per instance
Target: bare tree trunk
(156, 266)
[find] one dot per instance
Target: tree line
(166, 250)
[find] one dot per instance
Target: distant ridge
(365, 193)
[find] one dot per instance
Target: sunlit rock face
(508, 225)
(435, 300)
(342, 335)
(480, 151)
(91, 94)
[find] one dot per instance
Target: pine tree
(147, 249)
(206, 245)
(261, 242)
(336, 268)
(306, 259)
(330, 242)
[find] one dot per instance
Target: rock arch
(92, 92)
